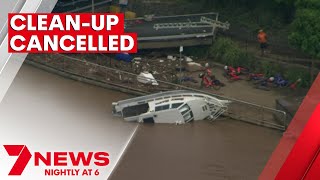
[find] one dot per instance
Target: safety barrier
(239, 110)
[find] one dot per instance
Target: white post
(181, 50)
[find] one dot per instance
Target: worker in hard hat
(262, 39)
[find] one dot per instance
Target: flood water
(49, 113)
(219, 150)
(222, 150)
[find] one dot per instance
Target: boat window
(188, 117)
(185, 108)
(148, 120)
(176, 105)
(135, 110)
(204, 108)
(161, 108)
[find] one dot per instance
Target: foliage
(227, 52)
(294, 73)
(251, 14)
(269, 69)
(306, 27)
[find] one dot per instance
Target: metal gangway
(177, 30)
(204, 22)
(156, 32)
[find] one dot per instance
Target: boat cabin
(179, 108)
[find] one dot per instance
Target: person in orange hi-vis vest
(262, 38)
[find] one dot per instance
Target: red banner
(69, 33)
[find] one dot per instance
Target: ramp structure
(174, 31)
(156, 32)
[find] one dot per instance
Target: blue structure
(124, 57)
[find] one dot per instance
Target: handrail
(172, 37)
(203, 22)
(180, 25)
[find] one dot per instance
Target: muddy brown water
(224, 149)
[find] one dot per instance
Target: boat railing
(101, 75)
(163, 96)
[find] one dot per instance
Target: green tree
(306, 27)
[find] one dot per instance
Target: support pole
(180, 68)
(180, 64)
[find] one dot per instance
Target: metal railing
(181, 25)
(215, 23)
(238, 109)
(204, 22)
(187, 26)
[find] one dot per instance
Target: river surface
(49, 113)
(219, 150)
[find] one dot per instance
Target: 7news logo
(24, 157)
(57, 159)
